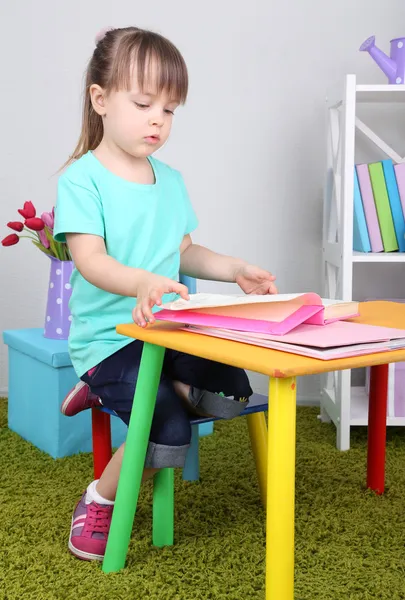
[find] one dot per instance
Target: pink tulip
(49, 219)
(44, 239)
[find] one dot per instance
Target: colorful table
(282, 369)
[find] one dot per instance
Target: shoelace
(98, 518)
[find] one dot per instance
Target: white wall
(250, 141)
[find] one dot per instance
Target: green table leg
(163, 508)
(134, 458)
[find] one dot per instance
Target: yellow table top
(272, 362)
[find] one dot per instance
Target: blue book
(361, 240)
(395, 202)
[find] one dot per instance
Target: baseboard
(311, 400)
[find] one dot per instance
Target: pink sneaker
(78, 399)
(89, 530)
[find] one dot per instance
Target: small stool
(258, 403)
(163, 491)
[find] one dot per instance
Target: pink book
(400, 176)
(275, 314)
(255, 325)
(337, 340)
(370, 210)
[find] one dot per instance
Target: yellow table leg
(280, 490)
(258, 440)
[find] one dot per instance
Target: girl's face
(138, 122)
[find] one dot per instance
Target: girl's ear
(98, 96)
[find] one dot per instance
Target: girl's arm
(201, 263)
(93, 263)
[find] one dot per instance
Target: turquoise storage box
(40, 376)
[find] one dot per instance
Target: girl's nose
(156, 119)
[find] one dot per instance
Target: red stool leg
(377, 428)
(101, 437)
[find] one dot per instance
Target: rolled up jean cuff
(159, 456)
(216, 405)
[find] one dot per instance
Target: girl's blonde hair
(117, 54)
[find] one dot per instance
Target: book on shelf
(361, 239)
(383, 207)
(379, 197)
(370, 210)
(400, 177)
(395, 202)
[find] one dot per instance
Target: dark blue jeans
(114, 379)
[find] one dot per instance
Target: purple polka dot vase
(58, 317)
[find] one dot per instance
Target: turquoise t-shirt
(143, 227)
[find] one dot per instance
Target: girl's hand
(254, 280)
(150, 291)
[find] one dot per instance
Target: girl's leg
(114, 382)
(208, 388)
(108, 482)
(92, 516)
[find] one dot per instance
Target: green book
(383, 207)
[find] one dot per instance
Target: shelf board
(380, 93)
(379, 257)
(359, 408)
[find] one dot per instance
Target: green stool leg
(134, 458)
(163, 508)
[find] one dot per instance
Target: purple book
(369, 208)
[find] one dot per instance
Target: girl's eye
(170, 112)
(139, 105)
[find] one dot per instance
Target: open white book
(271, 314)
(333, 308)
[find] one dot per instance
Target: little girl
(127, 220)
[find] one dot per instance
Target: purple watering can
(393, 65)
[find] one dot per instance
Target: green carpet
(349, 542)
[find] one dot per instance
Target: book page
(275, 312)
(203, 300)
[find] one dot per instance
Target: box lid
(33, 343)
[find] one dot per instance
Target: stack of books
(303, 324)
(379, 207)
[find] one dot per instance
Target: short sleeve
(78, 210)
(191, 217)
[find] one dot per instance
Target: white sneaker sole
(84, 555)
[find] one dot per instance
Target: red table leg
(377, 428)
(102, 447)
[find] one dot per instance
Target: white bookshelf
(378, 257)
(347, 406)
(359, 408)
